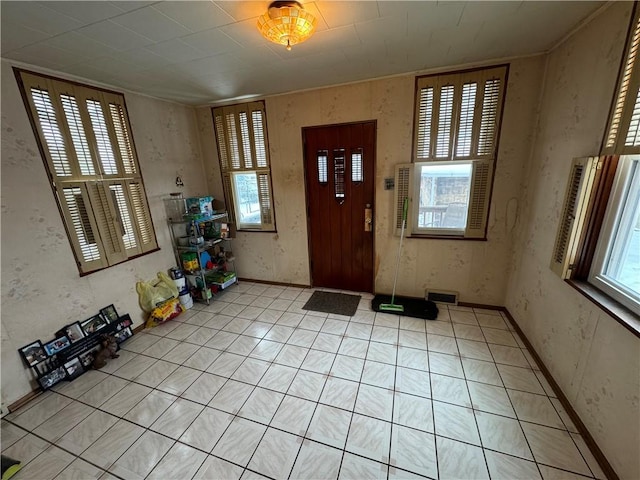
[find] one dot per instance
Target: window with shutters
(597, 246)
(243, 149)
(85, 138)
(456, 131)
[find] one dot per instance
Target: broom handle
(404, 221)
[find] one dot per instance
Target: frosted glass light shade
(286, 23)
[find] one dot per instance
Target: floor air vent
(442, 296)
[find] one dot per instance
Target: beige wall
(595, 361)
(475, 269)
(41, 288)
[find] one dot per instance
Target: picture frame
(122, 335)
(124, 323)
(50, 379)
(74, 332)
(93, 324)
(73, 368)
(33, 353)
(110, 314)
(56, 345)
(87, 358)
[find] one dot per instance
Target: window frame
(628, 168)
(245, 150)
(97, 204)
(482, 138)
(440, 232)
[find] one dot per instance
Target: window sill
(445, 237)
(621, 314)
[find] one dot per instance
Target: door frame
(373, 204)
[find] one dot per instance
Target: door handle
(368, 218)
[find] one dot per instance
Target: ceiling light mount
(286, 23)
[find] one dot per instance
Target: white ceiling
(199, 52)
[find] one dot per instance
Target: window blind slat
(51, 132)
(489, 117)
(260, 142)
(624, 88)
(76, 131)
(105, 149)
(122, 211)
(402, 190)
(123, 138)
(245, 140)
(445, 118)
(140, 211)
(107, 221)
(264, 194)
(466, 119)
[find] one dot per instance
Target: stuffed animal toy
(108, 350)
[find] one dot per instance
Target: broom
(392, 307)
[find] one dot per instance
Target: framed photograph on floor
(93, 324)
(74, 368)
(50, 379)
(56, 345)
(33, 353)
(109, 313)
(87, 358)
(74, 332)
(122, 335)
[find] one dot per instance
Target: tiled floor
(252, 386)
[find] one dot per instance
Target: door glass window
(357, 175)
(338, 168)
(322, 166)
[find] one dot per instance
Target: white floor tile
(414, 451)
(276, 454)
(329, 425)
(460, 460)
(239, 441)
(369, 437)
(317, 461)
(294, 415)
(356, 468)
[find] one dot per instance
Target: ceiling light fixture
(286, 23)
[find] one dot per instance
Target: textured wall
(475, 269)
(41, 288)
(595, 361)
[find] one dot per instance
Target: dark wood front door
(340, 174)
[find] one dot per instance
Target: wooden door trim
(373, 205)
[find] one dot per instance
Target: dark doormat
(413, 307)
(329, 302)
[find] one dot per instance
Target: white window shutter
(579, 188)
(140, 209)
(81, 227)
(624, 120)
(108, 222)
(266, 207)
(403, 187)
(228, 195)
(481, 178)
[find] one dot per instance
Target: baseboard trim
(21, 402)
(582, 429)
(269, 282)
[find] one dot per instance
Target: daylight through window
(241, 134)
